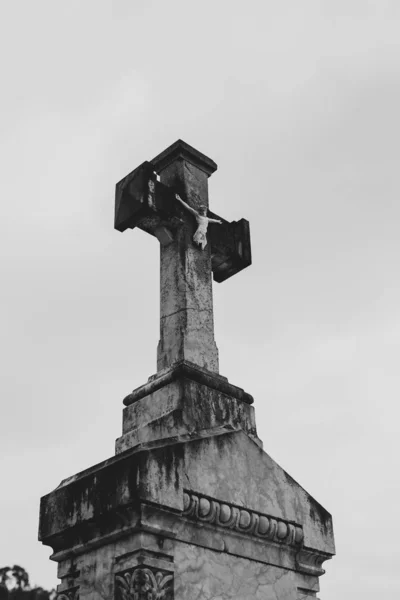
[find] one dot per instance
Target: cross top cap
(180, 150)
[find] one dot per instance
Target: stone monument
(190, 506)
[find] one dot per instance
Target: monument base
(145, 565)
(205, 514)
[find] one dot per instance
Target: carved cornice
(180, 150)
(144, 583)
(310, 562)
(228, 516)
(188, 370)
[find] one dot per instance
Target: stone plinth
(182, 403)
(190, 507)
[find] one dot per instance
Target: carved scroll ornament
(232, 517)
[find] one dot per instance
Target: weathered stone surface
(177, 569)
(100, 573)
(192, 372)
(100, 501)
(230, 248)
(181, 151)
(185, 407)
(220, 495)
(190, 506)
(142, 201)
(186, 321)
(203, 509)
(229, 468)
(208, 575)
(144, 582)
(232, 467)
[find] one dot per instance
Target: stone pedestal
(190, 507)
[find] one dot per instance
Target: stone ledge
(310, 562)
(103, 500)
(191, 371)
(164, 524)
(129, 443)
(250, 539)
(144, 556)
(184, 407)
(306, 594)
(182, 150)
(143, 490)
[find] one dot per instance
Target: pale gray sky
(298, 103)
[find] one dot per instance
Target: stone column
(186, 319)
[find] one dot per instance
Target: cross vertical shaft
(186, 303)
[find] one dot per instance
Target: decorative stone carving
(200, 236)
(310, 562)
(144, 583)
(237, 518)
(71, 594)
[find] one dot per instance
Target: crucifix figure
(200, 236)
(151, 198)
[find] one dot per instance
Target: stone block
(185, 402)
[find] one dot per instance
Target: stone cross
(153, 198)
(190, 501)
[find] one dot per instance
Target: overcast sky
(298, 103)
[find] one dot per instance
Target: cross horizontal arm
(230, 248)
(142, 201)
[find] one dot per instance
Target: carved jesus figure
(200, 236)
